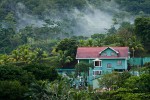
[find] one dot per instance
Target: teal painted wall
(113, 62)
(84, 60)
(104, 68)
(131, 61)
(104, 63)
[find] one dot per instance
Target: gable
(109, 52)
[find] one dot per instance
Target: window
(112, 54)
(119, 62)
(97, 72)
(97, 63)
(104, 54)
(109, 65)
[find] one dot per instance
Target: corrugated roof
(94, 52)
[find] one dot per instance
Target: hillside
(39, 22)
(74, 49)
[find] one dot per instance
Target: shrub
(42, 72)
(11, 72)
(12, 90)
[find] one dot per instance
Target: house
(104, 60)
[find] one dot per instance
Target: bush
(12, 90)
(11, 72)
(42, 72)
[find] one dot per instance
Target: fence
(138, 61)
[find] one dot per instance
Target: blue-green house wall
(103, 66)
(114, 64)
(104, 61)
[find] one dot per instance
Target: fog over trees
(37, 37)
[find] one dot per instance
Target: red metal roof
(94, 52)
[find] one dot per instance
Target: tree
(6, 43)
(10, 21)
(98, 39)
(142, 30)
(98, 36)
(4, 59)
(66, 49)
(134, 6)
(41, 71)
(82, 43)
(56, 90)
(122, 77)
(109, 81)
(82, 69)
(62, 58)
(111, 39)
(25, 55)
(112, 30)
(68, 45)
(89, 42)
(11, 72)
(135, 46)
(79, 95)
(12, 90)
(144, 83)
(38, 91)
(125, 32)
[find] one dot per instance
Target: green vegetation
(37, 37)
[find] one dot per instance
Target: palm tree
(135, 45)
(62, 58)
(79, 95)
(81, 43)
(39, 91)
(89, 43)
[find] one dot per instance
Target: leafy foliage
(11, 72)
(142, 30)
(42, 72)
(135, 6)
(82, 67)
(23, 56)
(12, 90)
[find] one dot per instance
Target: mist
(91, 21)
(25, 19)
(86, 22)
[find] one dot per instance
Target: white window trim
(99, 61)
(118, 63)
(103, 54)
(96, 70)
(109, 67)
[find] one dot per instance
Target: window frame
(100, 63)
(113, 54)
(109, 65)
(104, 54)
(99, 71)
(119, 63)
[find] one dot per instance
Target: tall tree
(142, 29)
